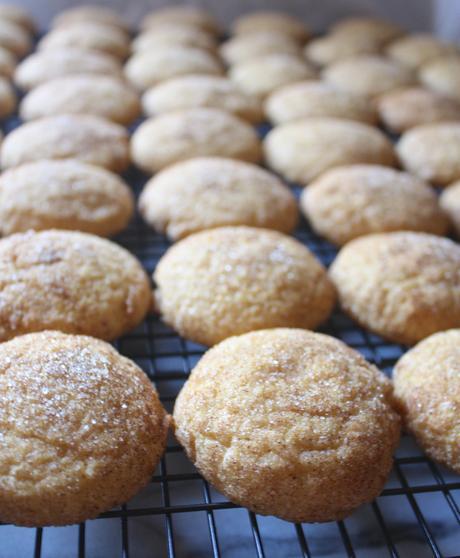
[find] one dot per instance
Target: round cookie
(356, 200)
(172, 35)
(270, 22)
(262, 75)
(302, 150)
(205, 193)
(230, 280)
(88, 35)
(406, 108)
(427, 388)
(289, 423)
(7, 98)
(72, 282)
(403, 286)
(186, 15)
(252, 45)
(84, 429)
(65, 194)
(377, 30)
(14, 38)
(7, 63)
(432, 152)
(89, 14)
(106, 96)
(176, 136)
(45, 65)
(186, 92)
(442, 75)
(367, 75)
(450, 203)
(69, 136)
(332, 48)
(18, 16)
(415, 50)
(316, 99)
(147, 68)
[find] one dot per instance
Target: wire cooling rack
(180, 515)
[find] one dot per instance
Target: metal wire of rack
(180, 515)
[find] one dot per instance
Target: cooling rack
(180, 515)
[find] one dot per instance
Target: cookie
(316, 99)
(205, 193)
(89, 14)
(302, 150)
(432, 152)
(7, 98)
(90, 139)
(106, 96)
(174, 34)
(230, 280)
(17, 15)
(367, 75)
(271, 22)
(45, 65)
(7, 63)
(88, 35)
(193, 91)
(72, 282)
(415, 50)
(375, 29)
(442, 75)
(427, 388)
(65, 194)
(252, 45)
(147, 68)
(186, 15)
(450, 203)
(403, 286)
(176, 136)
(356, 200)
(289, 423)
(332, 48)
(14, 38)
(403, 109)
(262, 75)
(84, 429)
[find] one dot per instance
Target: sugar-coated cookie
(271, 21)
(187, 15)
(251, 45)
(367, 27)
(174, 34)
(18, 15)
(332, 48)
(89, 13)
(442, 75)
(14, 38)
(450, 203)
(415, 50)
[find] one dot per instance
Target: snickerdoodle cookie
(367, 75)
(427, 388)
(316, 98)
(186, 15)
(7, 98)
(332, 48)
(230, 280)
(14, 38)
(406, 108)
(89, 13)
(432, 152)
(271, 21)
(442, 75)
(106, 96)
(149, 67)
(69, 281)
(289, 423)
(205, 193)
(347, 202)
(193, 91)
(49, 64)
(70, 136)
(64, 194)
(174, 34)
(176, 136)
(401, 285)
(375, 29)
(82, 429)
(450, 203)
(302, 150)
(251, 45)
(415, 50)
(262, 75)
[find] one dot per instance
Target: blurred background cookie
(442, 75)
(450, 203)
(186, 14)
(253, 45)
(174, 34)
(270, 21)
(417, 49)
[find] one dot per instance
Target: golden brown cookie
(65, 194)
(7, 98)
(371, 28)
(193, 91)
(450, 203)
(7, 63)
(406, 108)
(174, 34)
(347, 202)
(316, 99)
(90, 139)
(432, 152)
(332, 48)
(415, 50)
(403, 286)
(176, 136)
(14, 38)
(230, 280)
(271, 21)
(45, 65)
(427, 388)
(90, 14)
(150, 67)
(205, 193)
(106, 96)
(83, 429)
(18, 15)
(72, 282)
(442, 75)
(262, 75)
(289, 423)
(302, 150)
(252, 45)
(186, 15)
